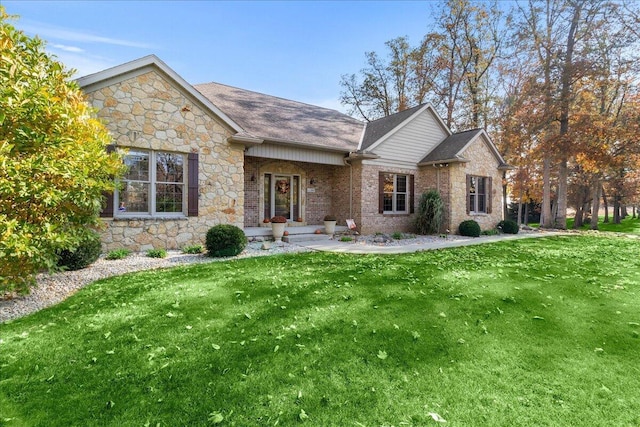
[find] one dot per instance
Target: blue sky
(292, 49)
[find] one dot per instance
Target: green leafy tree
(54, 166)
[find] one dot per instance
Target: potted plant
(330, 224)
(278, 223)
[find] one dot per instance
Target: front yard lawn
(534, 332)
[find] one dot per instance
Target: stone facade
(148, 112)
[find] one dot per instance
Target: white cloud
(66, 48)
(49, 32)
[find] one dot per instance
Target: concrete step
(294, 238)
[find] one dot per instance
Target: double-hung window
(478, 194)
(395, 193)
(153, 185)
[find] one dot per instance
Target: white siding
(409, 144)
(285, 152)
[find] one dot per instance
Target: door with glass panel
(282, 196)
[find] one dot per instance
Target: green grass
(535, 332)
(628, 225)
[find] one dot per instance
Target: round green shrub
(82, 256)
(225, 240)
(469, 228)
(508, 226)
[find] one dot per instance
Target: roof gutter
(362, 156)
(305, 145)
(247, 141)
(438, 162)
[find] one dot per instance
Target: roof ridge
(278, 97)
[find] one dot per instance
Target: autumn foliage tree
(54, 166)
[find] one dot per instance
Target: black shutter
(107, 210)
(381, 192)
(412, 184)
(192, 194)
(489, 191)
(468, 194)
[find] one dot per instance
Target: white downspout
(346, 162)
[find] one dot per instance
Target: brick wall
(317, 198)
(483, 163)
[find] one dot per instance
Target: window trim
(153, 182)
(472, 208)
(394, 195)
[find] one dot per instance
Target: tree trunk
(560, 208)
(595, 206)
(616, 209)
(606, 206)
(520, 212)
(577, 218)
(546, 219)
(526, 213)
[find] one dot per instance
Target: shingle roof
(376, 129)
(451, 147)
(277, 119)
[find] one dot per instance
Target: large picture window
(478, 194)
(395, 193)
(154, 184)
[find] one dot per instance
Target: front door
(282, 195)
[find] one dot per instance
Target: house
(209, 154)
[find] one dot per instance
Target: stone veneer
(148, 112)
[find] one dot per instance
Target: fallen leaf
(216, 417)
(437, 418)
(303, 415)
(382, 355)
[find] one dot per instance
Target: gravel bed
(53, 288)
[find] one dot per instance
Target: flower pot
(277, 228)
(330, 227)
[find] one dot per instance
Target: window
(396, 193)
(154, 184)
(478, 194)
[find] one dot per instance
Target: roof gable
(377, 131)
(451, 149)
(285, 121)
(142, 65)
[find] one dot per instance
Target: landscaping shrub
(429, 215)
(192, 249)
(118, 254)
(225, 240)
(508, 226)
(491, 232)
(397, 235)
(157, 253)
(469, 228)
(85, 254)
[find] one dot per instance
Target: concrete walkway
(336, 245)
